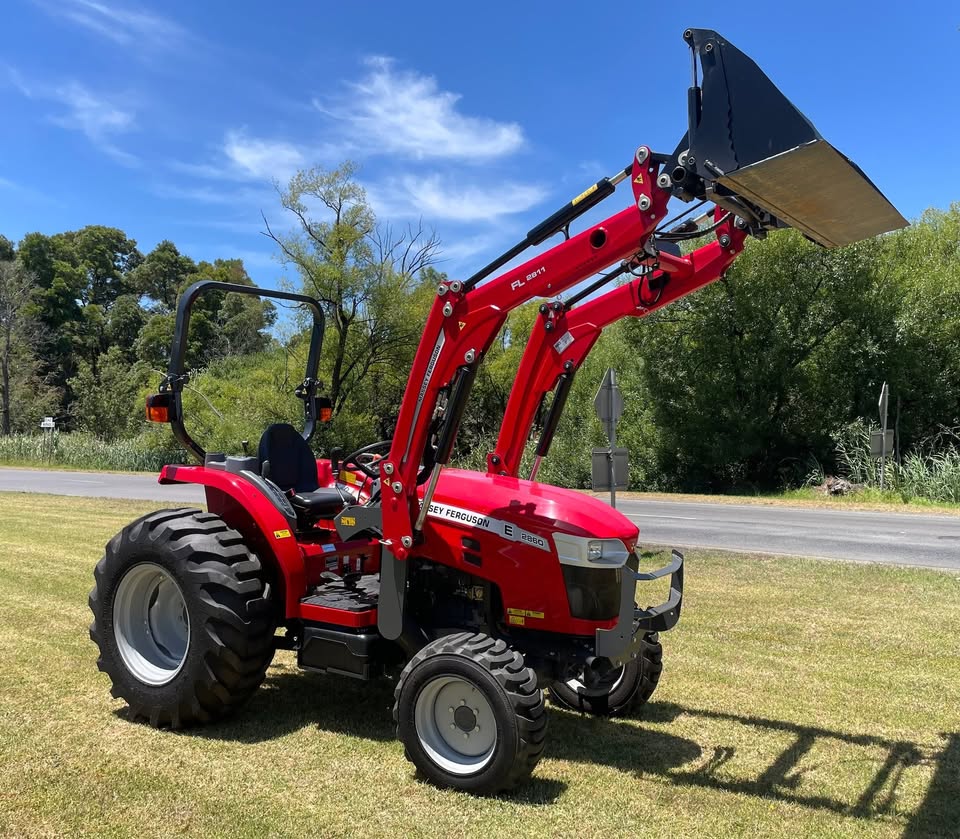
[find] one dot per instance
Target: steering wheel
(353, 459)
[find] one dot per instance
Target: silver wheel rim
(455, 725)
(580, 688)
(151, 624)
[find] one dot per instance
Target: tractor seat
(321, 503)
(287, 461)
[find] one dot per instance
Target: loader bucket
(748, 138)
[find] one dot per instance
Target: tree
(365, 276)
(220, 324)
(162, 275)
(80, 276)
(751, 375)
(107, 399)
(921, 265)
(19, 337)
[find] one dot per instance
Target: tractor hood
(535, 507)
(748, 140)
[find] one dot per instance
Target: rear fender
(264, 527)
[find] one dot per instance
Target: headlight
(577, 550)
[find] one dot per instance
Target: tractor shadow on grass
(937, 815)
(291, 700)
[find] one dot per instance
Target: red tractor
(479, 589)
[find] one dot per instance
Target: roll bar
(177, 377)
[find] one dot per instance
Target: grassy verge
(84, 451)
(868, 499)
(60, 467)
(799, 698)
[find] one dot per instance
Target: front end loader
(474, 590)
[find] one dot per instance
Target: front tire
(622, 690)
(470, 715)
(182, 616)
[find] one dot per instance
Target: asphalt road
(897, 539)
(902, 539)
(98, 485)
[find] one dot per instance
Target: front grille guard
(622, 641)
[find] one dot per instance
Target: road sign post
(48, 425)
(609, 406)
(883, 405)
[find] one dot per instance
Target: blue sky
(170, 120)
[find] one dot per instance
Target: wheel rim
(455, 725)
(151, 624)
(580, 688)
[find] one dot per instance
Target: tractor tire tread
(518, 681)
(231, 615)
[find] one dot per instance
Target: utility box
(881, 443)
(600, 469)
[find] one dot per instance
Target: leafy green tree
(124, 321)
(24, 396)
(107, 399)
(220, 324)
(365, 276)
(80, 275)
(162, 275)
(921, 266)
(750, 375)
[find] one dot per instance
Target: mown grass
(799, 698)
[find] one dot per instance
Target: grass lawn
(799, 698)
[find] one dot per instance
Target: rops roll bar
(172, 385)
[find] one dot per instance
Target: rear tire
(470, 715)
(624, 690)
(183, 618)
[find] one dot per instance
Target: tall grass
(85, 451)
(931, 471)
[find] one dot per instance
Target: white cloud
(96, 118)
(404, 113)
(434, 198)
(460, 249)
(127, 25)
(261, 159)
(234, 197)
(244, 158)
(94, 115)
(27, 193)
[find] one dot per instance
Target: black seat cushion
(321, 503)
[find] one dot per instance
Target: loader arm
(747, 149)
(464, 320)
(562, 337)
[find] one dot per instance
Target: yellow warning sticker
(583, 195)
(282, 534)
(525, 613)
(516, 620)
(350, 478)
(638, 179)
(461, 324)
(348, 521)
